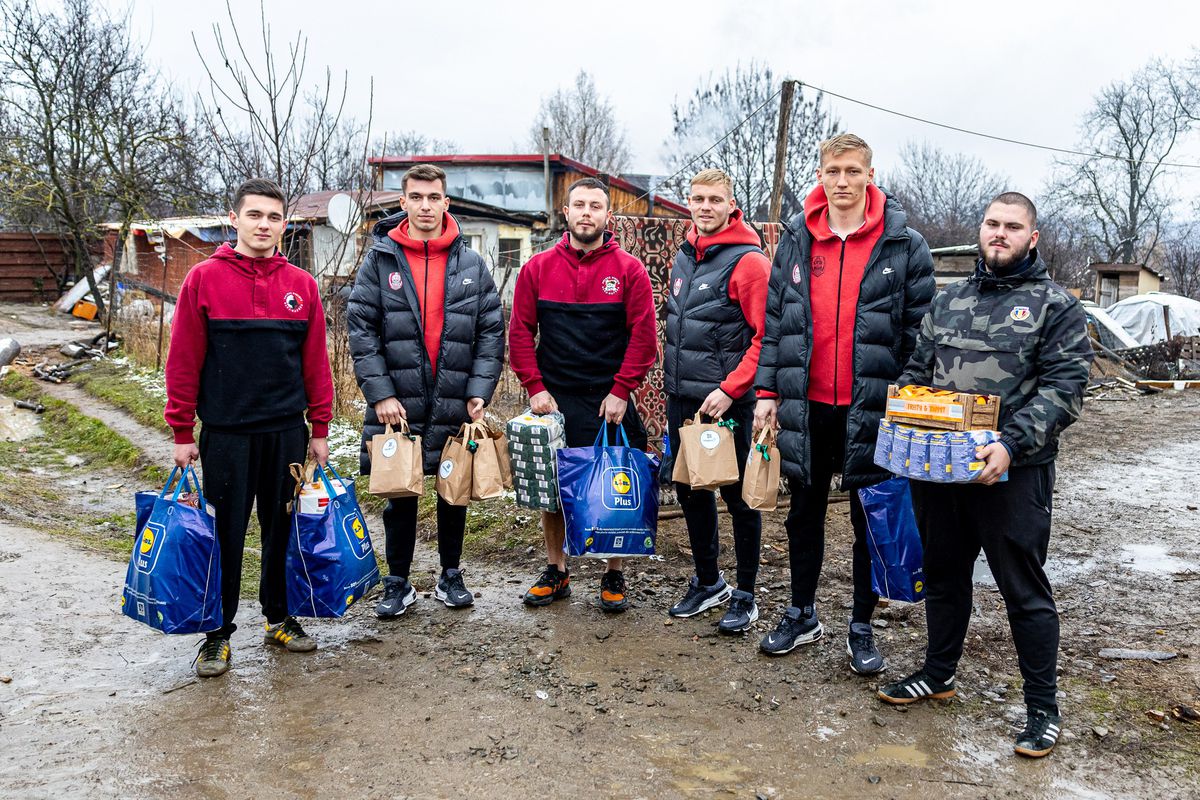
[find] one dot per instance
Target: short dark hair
(1017, 199)
(261, 187)
(423, 172)
(589, 183)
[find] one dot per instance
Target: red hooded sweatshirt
(835, 272)
(248, 349)
(427, 261)
(747, 288)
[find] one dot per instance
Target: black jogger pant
(700, 505)
(239, 469)
(1010, 521)
(400, 528)
(805, 524)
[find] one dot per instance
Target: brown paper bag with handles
(500, 442)
(396, 463)
(707, 457)
(455, 468)
(760, 484)
(487, 476)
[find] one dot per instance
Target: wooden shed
(1115, 282)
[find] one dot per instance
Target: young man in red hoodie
(248, 357)
(589, 305)
(716, 298)
(849, 285)
(427, 337)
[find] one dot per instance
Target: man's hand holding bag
(707, 457)
(396, 468)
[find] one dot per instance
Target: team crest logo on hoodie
(610, 285)
(1019, 313)
(293, 302)
(678, 285)
(818, 266)
(395, 281)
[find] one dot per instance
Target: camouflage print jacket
(1022, 337)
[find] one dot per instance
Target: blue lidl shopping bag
(609, 498)
(330, 560)
(173, 583)
(897, 560)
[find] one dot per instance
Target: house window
(509, 254)
(1108, 290)
(474, 241)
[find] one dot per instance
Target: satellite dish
(343, 213)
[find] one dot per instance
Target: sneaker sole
(857, 671)
(712, 602)
(904, 701)
(744, 628)
(1025, 751)
(216, 674)
(807, 638)
(440, 595)
(407, 601)
(538, 602)
(289, 646)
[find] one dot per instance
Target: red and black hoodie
(593, 316)
(248, 349)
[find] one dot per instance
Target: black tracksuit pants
(239, 469)
(1010, 521)
(805, 524)
(700, 505)
(400, 528)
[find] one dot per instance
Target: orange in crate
(85, 310)
(938, 408)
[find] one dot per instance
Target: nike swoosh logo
(867, 661)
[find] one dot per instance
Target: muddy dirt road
(501, 701)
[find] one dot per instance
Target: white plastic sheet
(1145, 316)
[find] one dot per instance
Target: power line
(1022, 143)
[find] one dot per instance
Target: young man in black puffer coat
(427, 337)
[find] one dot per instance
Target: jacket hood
(895, 220)
(1032, 268)
(737, 231)
(248, 264)
(383, 231)
(816, 208)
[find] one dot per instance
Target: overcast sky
(474, 72)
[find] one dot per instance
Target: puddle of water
(906, 754)
(1152, 558)
(17, 424)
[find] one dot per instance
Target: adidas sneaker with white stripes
(917, 686)
(1040, 735)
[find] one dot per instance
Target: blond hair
(714, 177)
(844, 143)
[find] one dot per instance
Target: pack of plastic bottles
(931, 455)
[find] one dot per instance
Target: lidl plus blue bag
(330, 560)
(173, 583)
(897, 560)
(609, 498)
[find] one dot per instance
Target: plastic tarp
(1144, 316)
(1112, 334)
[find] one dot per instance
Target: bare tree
(738, 112)
(943, 193)
(1064, 247)
(1134, 125)
(414, 143)
(583, 126)
(1179, 258)
(264, 121)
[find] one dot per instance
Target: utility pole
(781, 148)
(546, 178)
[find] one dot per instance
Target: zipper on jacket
(837, 321)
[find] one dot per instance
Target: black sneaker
(452, 591)
(1040, 735)
(553, 584)
(796, 627)
(701, 598)
(213, 658)
(917, 686)
(290, 635)
(612, 591)
(741, 614)
(864, 655)
(398, 595)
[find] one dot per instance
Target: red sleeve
(522, 328)
(748, 288)
(318, 382)
(185, 358)
(643, 334)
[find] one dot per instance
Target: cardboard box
(955, 411)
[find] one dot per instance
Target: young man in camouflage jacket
(1012, 332)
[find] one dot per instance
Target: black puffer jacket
(896, 289)
(388, 345)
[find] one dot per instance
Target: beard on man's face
(587, 237)
(1004, 261)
